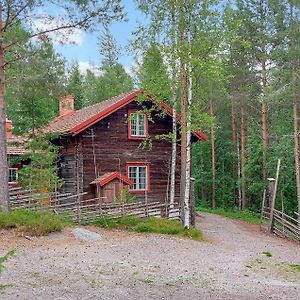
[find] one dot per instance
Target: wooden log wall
(107, 146)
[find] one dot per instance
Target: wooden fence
(72, 207)
(273, 220)
(280, 224)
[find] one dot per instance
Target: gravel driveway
(229, 264)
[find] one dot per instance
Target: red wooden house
(102, 152)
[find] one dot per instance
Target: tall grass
(245, 215)
(31, 222)
(150, 225)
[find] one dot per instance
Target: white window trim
(137, 173)
(137, 124)
(17, 175)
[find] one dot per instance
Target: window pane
(142, 178)
(142, 124)
(139, 176)
(132, 175)
(12, 175)
(133, 124)
(137, 124)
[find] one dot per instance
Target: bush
(150, 225)
(31, 222)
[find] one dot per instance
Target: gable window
(139, 173)
(12, 175)
(137, 125)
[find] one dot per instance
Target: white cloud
(85, 65)
(62, 36)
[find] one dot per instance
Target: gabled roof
(108, 177)
(79, 120)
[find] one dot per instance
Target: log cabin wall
(106, 146)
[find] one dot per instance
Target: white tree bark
(186, 208)
(174, 153)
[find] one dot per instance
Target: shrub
(31, 222)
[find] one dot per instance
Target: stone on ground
(85, 235)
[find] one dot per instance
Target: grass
(295, 267)
(150, 225)
(267, 253)
(245, 215)
(4, 258)
(31, 222)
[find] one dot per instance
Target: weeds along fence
(279, 223)
(73, 208)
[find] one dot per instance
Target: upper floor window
(137, 125)
(12, 175)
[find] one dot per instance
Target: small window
(139, 174)
(12, 175)
(137, 125)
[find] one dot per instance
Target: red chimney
(9, 129)
(66, 105)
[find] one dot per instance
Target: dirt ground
(229, 264)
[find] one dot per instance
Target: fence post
(263, 207)
(273, 198)
(192, 201)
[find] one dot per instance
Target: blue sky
(86, 50)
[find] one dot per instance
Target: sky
(86, 51)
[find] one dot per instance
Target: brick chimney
(66, 105)
(9, 129)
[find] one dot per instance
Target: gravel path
(229, 264)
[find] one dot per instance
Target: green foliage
(150, 225)
(267, 253)
(75, 86)
(246, 215)
(31, 222)
(4, 258)
(295, 267)
(153, 76)
(125, 196)
(33, 84)
(41, 172)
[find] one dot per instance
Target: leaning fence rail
(283, 225)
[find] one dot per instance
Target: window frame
(17, 175)
(137, 137)
(148, 178)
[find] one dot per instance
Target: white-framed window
(139, 174)
(12, 175)
(137, 125)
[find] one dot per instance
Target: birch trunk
(183, 154)
(213, 163)
(295, 108)
(188, 156)
(243, 157)
(174, 152)
(3, 145)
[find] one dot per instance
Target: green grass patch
(150, 225)
(4, 258)
(267, 253)
(31, 222)
(295, 267)
(245, 215)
